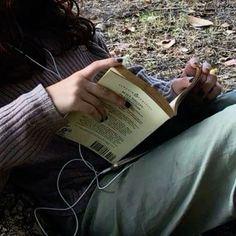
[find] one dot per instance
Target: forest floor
(159, 35)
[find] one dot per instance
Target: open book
(125, 128)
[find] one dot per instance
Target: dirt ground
(156, 34)
(143, 30)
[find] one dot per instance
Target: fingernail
(206, 67)
(207, 64)
(120, 59)
(194, 61)
(127, 104)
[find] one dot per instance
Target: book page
(152, 92)
(124, 129)
(176, 102)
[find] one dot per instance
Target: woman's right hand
(79, 93)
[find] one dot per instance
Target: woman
(50, 61)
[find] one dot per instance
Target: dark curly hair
(22, 22)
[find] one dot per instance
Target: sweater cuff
(170, 94)
(45, 112)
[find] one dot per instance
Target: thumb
(178, 85)
(91, 70)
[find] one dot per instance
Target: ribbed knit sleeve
(26, 126)
(164, 87)
(98, 39)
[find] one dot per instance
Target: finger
(209, 84)
(178, 85)
(89, 110)
(106, 94)
(206, 67)
(205, 70)
(191, 67)
(184, 83)
(90, 71)
(215, 92)
(94, 101)
(203, 79)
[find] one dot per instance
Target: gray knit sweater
(29, 120)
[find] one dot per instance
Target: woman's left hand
(208, 87)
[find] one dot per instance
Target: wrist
(51, 93)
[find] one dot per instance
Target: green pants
(184, 186)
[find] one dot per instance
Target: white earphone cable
(88, 164)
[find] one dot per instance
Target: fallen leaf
(225, 25)
(120, 49)
(231, 32)
(128, 30)
(231, 62)
(191, 11)
(224, 59)
(185, 50)
(198, 22)
(167, 43)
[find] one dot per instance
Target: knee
(223, 101)
(225, 122)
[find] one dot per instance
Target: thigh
(218, 104)
(184, 120)
(185, 184)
